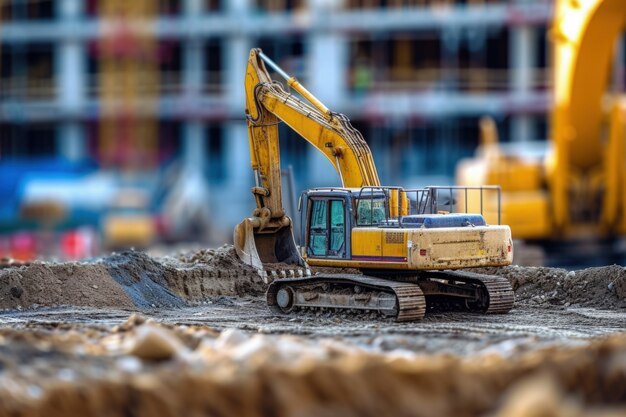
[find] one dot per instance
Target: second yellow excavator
(410, 245)
(569, 203)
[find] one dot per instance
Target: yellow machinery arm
(267, 104)
(584, 33)
(577, 191)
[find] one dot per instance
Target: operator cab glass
(370, 211)
(327, 233)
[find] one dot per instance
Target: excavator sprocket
(494, 294)
(402, 300)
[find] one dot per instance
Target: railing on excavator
(484, 200)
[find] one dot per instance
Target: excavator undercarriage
(406, 299)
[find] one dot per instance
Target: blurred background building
(121, 122)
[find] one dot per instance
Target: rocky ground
(191, 335)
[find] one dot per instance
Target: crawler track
(495, 294)
(404, 298)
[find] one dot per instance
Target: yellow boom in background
(576, 193)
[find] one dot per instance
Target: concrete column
(194, 154)
(71, 85)
(71, 141)
(327, 61)
(240, 203)
(193, 52)
(235, 51)
(522, 59)
(193, 68)
(194, 151)
(194, 146)
(326, 67)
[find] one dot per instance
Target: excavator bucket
(257, 249)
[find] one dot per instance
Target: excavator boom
(267, 236)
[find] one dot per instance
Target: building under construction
(149, 95)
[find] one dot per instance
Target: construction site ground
(191, 334)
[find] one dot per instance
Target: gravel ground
(524, 328)
(191, 335)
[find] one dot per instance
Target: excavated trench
(190, 334)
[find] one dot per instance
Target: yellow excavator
(572, 200)
(411, 245)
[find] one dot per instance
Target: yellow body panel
(367, 242)
(527, 214)
(394, 244)
(425, 249)
(516, 175)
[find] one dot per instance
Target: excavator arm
(584, 33)
(267, 236)
(576, 192)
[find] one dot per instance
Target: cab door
(327, 228)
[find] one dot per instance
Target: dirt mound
(223, 258)
(130, 280)
(143, 279)
(603, 287)
(135, 280)
(212, 272)
(49, 284)
(148, 369)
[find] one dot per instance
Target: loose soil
(206, 344)
(130, 280)
(603, 287)
(143, 368)
(42, 284)
(137, 281)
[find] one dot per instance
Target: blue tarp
(431, 221)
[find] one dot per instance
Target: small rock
(153, 342)
(230, 338)
(16, 292)
(95, 287)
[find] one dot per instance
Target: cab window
(370, 212)
(317, 236)
(327, 230)
(337, 227)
